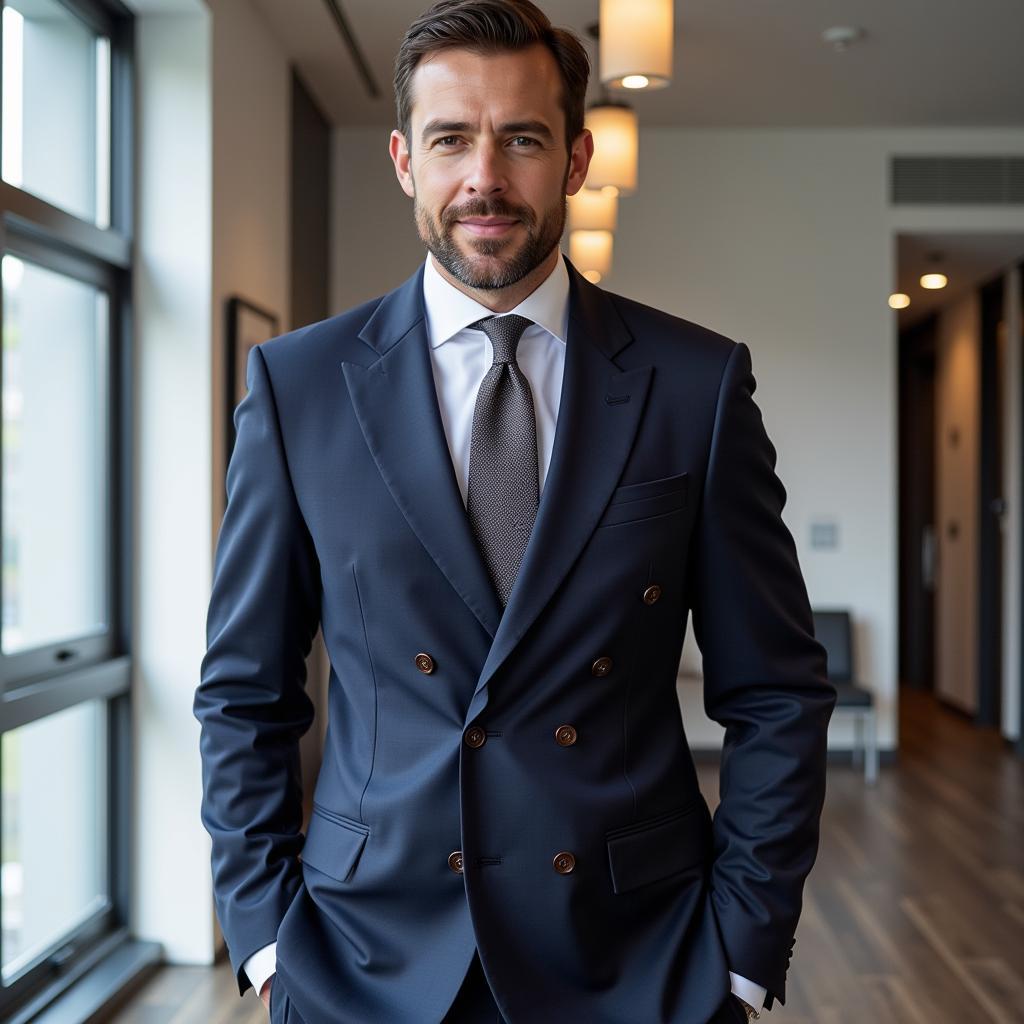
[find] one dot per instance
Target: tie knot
(504, 332)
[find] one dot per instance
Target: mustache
(482, 208)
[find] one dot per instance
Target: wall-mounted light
(591, 253)
(593, 209)
(635, 39)
(616, 146)
(899, 301)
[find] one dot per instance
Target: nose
(486, 175)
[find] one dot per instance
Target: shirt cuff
(261, 965)
(748, 991)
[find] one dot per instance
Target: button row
(601, 666)
(563, 862)
(475, 736)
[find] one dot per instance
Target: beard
(492, 263)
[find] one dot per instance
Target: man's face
(486, 162)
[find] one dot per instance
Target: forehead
(462, 84)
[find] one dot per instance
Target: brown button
(565, 735)
(455, 861)
(602, 666)
(475, 736)
(564, 862)
(425, 663)
(652, 593)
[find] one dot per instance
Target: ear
(400, 158)
(579, 161)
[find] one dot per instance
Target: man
(500, 490)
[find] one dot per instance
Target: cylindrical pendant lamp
(616, 145)
(635, 38)
(593, 209)
(591, 253)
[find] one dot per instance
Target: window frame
(42, 680)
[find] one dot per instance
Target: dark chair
(832, 630)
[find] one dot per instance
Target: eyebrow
(536, 127)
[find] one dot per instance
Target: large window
(65, 286)
(56, 107)
(56, 438)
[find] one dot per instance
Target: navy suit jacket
(592, 879)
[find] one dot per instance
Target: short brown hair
(490, 26)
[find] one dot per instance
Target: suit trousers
(474, 1002)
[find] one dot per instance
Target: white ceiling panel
(757, 63)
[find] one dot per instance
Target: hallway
(914, 911)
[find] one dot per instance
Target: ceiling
(738, 63)
(967, 259)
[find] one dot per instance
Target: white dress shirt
(460, 357)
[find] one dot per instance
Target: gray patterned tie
(503, 486)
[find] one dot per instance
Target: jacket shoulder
(691, 338)
(334, 337)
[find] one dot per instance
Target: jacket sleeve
(251, 701)
(765, 680)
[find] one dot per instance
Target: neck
(501, 300)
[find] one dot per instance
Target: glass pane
(56, 108)
(54, 457)
(54, 841)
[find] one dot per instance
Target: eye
(525, 138)
(445, 139)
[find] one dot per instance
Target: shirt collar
(450, 310)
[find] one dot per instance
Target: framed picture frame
(247, 324)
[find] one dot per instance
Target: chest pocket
(633, 502)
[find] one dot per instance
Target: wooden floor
(913, 913)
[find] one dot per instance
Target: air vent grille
(952, 180)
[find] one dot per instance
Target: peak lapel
(395, 401)
(599, 413)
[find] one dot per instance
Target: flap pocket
(333, 843)
(645, 499)
(655, 848)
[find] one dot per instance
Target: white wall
(374, 245)
(251, 181)
(785, 240)
(172, 564)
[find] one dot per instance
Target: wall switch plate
(825, 535)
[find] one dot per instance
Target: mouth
(486, 227)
